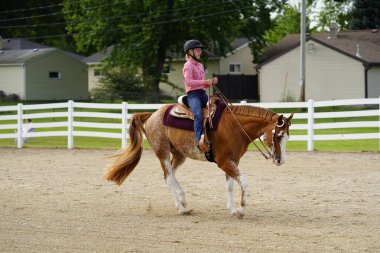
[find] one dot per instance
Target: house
(237, 62)
(339, 65)
(233, 65)
(36, 72)
(95, 69)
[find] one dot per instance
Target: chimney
(334, 30)
(358, 51)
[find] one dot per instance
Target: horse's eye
(290, 123)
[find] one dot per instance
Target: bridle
(266, 147)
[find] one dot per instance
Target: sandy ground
(55, 200)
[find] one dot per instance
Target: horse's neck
(256, 127)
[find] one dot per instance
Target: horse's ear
(291, 116)
(280, 121)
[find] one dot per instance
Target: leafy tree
(287, 23)
(41, 20)
(338, 11)
(349, 14)
(145, 33)
(365, 14)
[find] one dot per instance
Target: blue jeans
(197, 100)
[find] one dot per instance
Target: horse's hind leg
(173, 185)
(177, 160)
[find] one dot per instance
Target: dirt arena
(55, 200)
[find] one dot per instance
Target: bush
(122, 84)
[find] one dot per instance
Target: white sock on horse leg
(171, 184)
(180, 192)
(243, 184)
(230, 191)
(171, 181)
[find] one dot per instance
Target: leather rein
(228, 105)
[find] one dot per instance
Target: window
(235, 68)
(98, 72)
(166, 69)
(54, 74)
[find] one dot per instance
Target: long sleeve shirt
(194, 75)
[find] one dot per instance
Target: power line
(98, 6)
(37, 8)
(144, 25)
(54, 13)
(106, 18)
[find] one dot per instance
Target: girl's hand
(214, 80)
(211, 82)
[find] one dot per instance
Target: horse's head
(280, 137)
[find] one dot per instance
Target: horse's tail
(127, 159)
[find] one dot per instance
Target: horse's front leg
(230, 193)
(234, 174)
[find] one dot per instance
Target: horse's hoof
(238, 213)
(185, 211)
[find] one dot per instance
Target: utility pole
(302, 47)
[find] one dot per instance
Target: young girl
(195, 84)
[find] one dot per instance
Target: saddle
(182, 109)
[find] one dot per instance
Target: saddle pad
(188, 124)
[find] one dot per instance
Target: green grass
(107, 143)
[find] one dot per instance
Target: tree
(287, 23)
(338, 11)
(40, 20)
(365, 14)
(144, 33)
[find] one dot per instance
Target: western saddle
(182, 110)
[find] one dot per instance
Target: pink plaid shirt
(194, 75)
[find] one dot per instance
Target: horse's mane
(253, 111)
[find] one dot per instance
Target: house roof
(98, 57)
(20, 43)
(364, 42)
(22, 56)
(17, 57)
(236, 45)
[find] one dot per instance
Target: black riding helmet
(191, 44)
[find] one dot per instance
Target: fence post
(19, 139)
(70, 119)
(310, 125)
(124, 122)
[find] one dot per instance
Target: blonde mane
(253, 111)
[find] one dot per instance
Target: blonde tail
(127, 159)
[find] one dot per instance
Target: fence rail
(70, 111)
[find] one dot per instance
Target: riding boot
(203, 145)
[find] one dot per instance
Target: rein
(228, 105)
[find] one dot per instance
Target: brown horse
(238, 127)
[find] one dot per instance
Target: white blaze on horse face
(284, 139)
(280, 159)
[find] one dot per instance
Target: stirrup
(204, 146)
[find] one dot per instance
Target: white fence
(72, 110)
